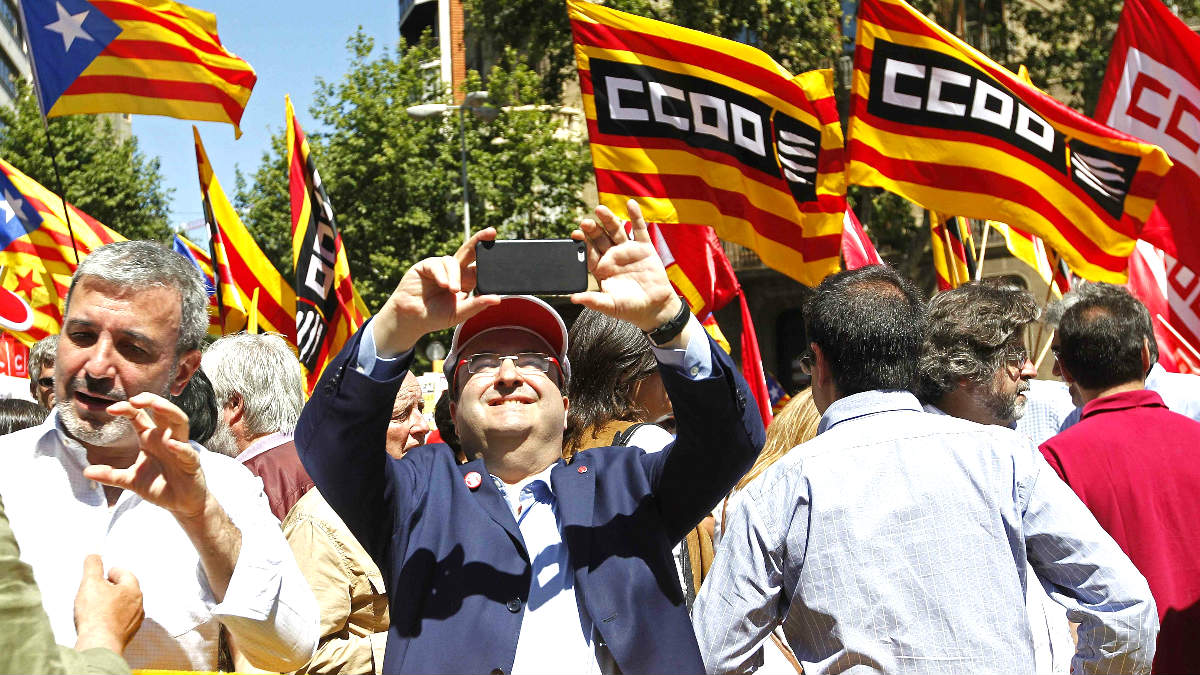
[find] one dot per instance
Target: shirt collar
(1141, 398)
(543, 475)
(263, 444)
(867, 403)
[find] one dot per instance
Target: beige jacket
(348, 586)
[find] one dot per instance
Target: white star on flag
(69, 26)
(8, 210)
(12, 205)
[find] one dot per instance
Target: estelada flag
(328, 309)
(237, 257)
(150, 57)
(700, 271)
(36, 248)
(699, 129)
(1152, 91)
(857, 249)
(200, 259)
(939, 123)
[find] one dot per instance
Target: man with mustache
(975, 366)
(111, 473)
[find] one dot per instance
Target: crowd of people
(603, 499)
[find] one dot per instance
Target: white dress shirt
(60, 517)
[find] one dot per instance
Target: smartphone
(531, 267)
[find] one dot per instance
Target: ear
(189, 363)
(566, 408)
(1147, 364)
(821, 372)
(237, 408)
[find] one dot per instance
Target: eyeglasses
(807, 359)
(1016, 355)
(528, 363)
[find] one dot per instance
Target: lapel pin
(472, 479)
(583, 469)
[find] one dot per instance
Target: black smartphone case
(531, 267)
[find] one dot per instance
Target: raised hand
(167, 469)
(633, 283)
(433, 294)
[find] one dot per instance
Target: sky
(289, 44)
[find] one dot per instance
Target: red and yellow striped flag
(699, 129)
(36, 247)
(1031, 250)
(248, 267)
(939, 123)
(953, 250)
(328, 309)
(150, 57)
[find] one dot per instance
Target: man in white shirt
(111, 473)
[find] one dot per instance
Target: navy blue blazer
(453, 560)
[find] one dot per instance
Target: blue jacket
(453, 560)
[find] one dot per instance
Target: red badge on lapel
(472, 479)
(583, 469)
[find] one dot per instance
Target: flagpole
(212, 252)
(987, 227)
(37, 92)
(1049, 292)
(1179, 337)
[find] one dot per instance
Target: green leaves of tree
(395, 181)
(107, 177)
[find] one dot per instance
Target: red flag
(857, 249)
(701, 273)
(1152, 91)
(1149, 281)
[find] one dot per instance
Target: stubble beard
(222, 440)
(114, 430)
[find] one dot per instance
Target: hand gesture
(633, 283)
(433, 294)
(167, 470)
(108, 611)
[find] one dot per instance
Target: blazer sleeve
(341, 438)
(718, 436)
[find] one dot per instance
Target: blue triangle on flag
(19, 216)
(65, 36)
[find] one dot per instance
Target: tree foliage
(395, 181)
(107, 177)
(1067, 47)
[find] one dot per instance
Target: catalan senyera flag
(939, 123)
(699, 129)
(36, 248)
(328, 309)
(953, 250)
(700, 271)
(150, 57)
(247, 266)
(1031, 250)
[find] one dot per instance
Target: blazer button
(514, 605)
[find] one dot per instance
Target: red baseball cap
(521, 312)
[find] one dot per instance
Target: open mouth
(93, 402)
(510, 399)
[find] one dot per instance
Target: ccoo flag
(36, 248)
(699, 129)
(150, 57)
(328, 310)
(939, 123)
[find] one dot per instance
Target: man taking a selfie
(526, 562)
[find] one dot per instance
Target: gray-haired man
(110, 472)
(260, 390)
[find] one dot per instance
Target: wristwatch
(671, 329)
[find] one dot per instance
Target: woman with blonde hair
(795, 424)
